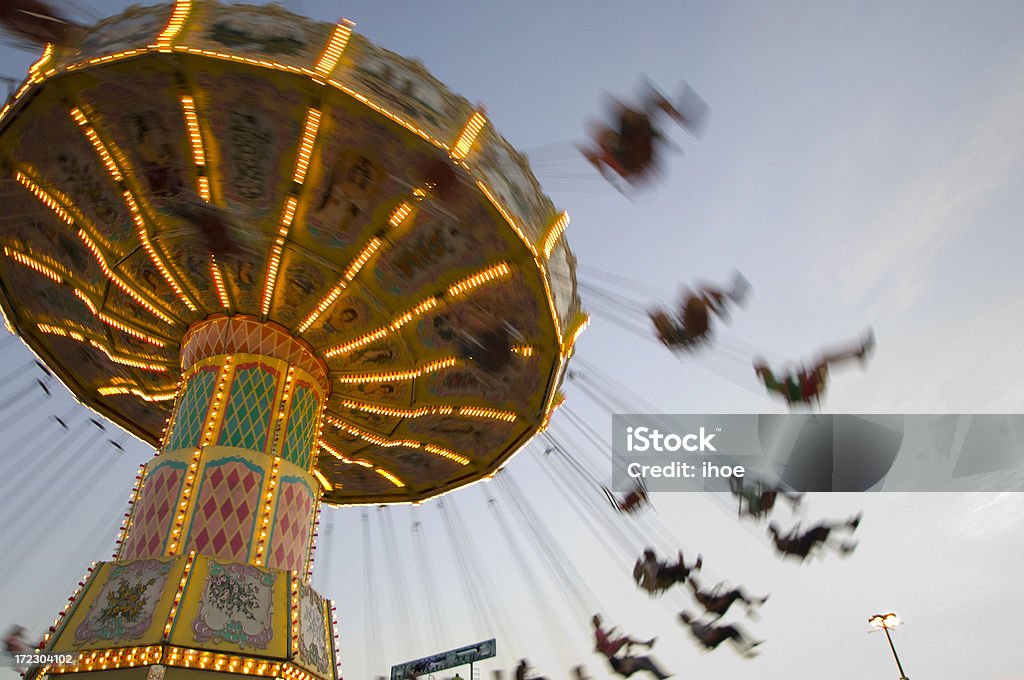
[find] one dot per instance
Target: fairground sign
(439, 662)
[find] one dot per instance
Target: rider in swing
(629, 147)
(806, 386)
(692, 326)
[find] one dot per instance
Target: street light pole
(885, 622)
(894, 654)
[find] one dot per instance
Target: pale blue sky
(862, 164)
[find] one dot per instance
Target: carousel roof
(317, 150)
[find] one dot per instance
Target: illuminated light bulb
(524, 351)
(468, 135)
(306, 145)
(490, 274)
(390, 477)
(581, 326)
(97, 144)
(147, 245)
(555, 233)
(31, 263)
(174, 24)
(218, 281)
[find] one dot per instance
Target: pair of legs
(803, 545)
(712, 636)
(837, 355)
(719, 603)
(807, 385)
(678, 572)
(628, 665)
(612, 647)
(734, 636)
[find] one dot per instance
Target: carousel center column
(233, 479)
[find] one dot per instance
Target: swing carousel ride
(299, 267)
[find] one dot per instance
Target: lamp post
(885, 622)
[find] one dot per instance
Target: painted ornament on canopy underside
(136, 28)
(438, 248)
(508, 177)
(357, 176)
(405, 88)
(73, 169)
(149, 137)
(395, 392)
(43, 237)
(259, 31)
(256, 126)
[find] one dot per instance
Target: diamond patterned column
(233, 479)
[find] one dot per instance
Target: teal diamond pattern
(298, 446)
(187, 430)
(247, 417)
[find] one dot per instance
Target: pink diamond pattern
(292, 520)
(151, 522)
(226, 510)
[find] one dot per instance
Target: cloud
(887, 259)
(965, 364)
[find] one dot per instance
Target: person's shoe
(855, 522)
(699, 564)
(866, 347)
(650, 643)
(740, 289)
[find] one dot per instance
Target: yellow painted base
(193, 614)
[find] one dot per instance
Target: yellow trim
(314, 532)
(269, 501)
(391, 477)
(437, 409)
(31, 263)
(179, 15)
(309, 133)
(133, 503)
(294, 627)
(214, 416)
(335, 47)
(487, 275)
(218, 283)
(274, 261)
(33, 70)
(118, 172)
(182, 583)
(182, 657)
(429, 367)
(323, 480)
(350, 273)
(116, 390)
(580, 325)
(97, 144)
(554, 235)
(139, 299)
(384, 442)
(468, 135)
